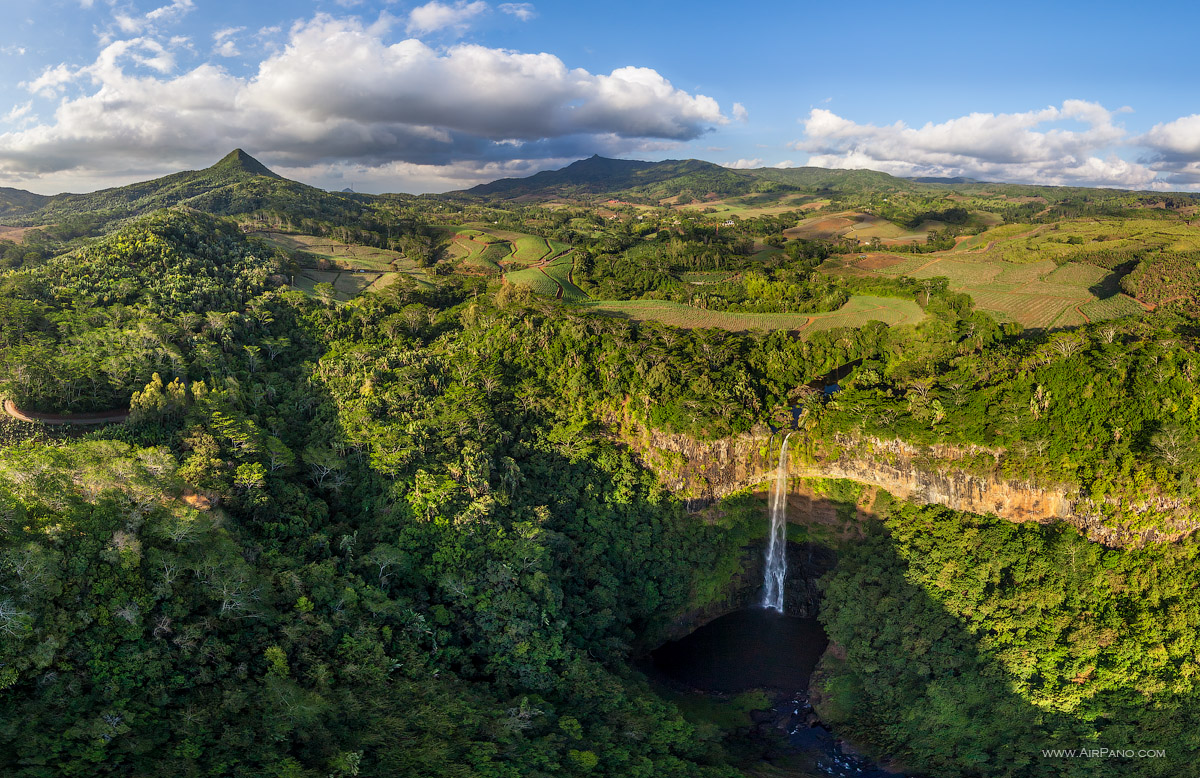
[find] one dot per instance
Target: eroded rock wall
(702, 472)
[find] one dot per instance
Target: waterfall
(776, 567)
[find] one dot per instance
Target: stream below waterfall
(760, 648)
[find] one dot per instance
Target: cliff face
(704, 471)
(807, 562)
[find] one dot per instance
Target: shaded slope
(18, 201)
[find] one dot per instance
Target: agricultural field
(550, 278)
(344, 255)
(535, 279)
(1112, 308)
(860, 310)
(749, 206)
(1068, 240)
(860, 226)
(498, 250)
(560, 270)
(1037, 289)
(475, 248)
(530, 250)
(350, 268)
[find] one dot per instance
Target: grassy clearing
(687, 317)
(348, 284)
(17, 234)
(860, 310)
(766, 254)
(354, 284)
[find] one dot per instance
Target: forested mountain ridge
(657, 180)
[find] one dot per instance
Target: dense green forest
(418, 562)
(973, 644)
(1112, 410)
(401, 534)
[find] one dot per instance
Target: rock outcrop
(702, 472)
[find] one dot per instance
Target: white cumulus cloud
(434, 16)
(744, 164)
(223, 43)
(740, 113)
(340, 93)
(523, 11)
(1035, 146)
(1174, 151)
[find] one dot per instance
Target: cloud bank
(1072, 144)
(341, 93)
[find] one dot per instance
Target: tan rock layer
(702, 472)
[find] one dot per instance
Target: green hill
(237, 184)
(16, 201)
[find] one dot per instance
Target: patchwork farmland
(1040, 276)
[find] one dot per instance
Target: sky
(393, 96)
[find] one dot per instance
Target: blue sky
(406, 96)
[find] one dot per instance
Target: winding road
(97, 417)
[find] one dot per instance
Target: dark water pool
(750, 649)
(762, 649)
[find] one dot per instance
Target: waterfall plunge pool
(747, 652)
(757, 648)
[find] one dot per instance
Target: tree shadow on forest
(901, 663)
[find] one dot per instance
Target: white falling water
(777, 546)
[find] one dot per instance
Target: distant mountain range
(240, 184)
(693, 178)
